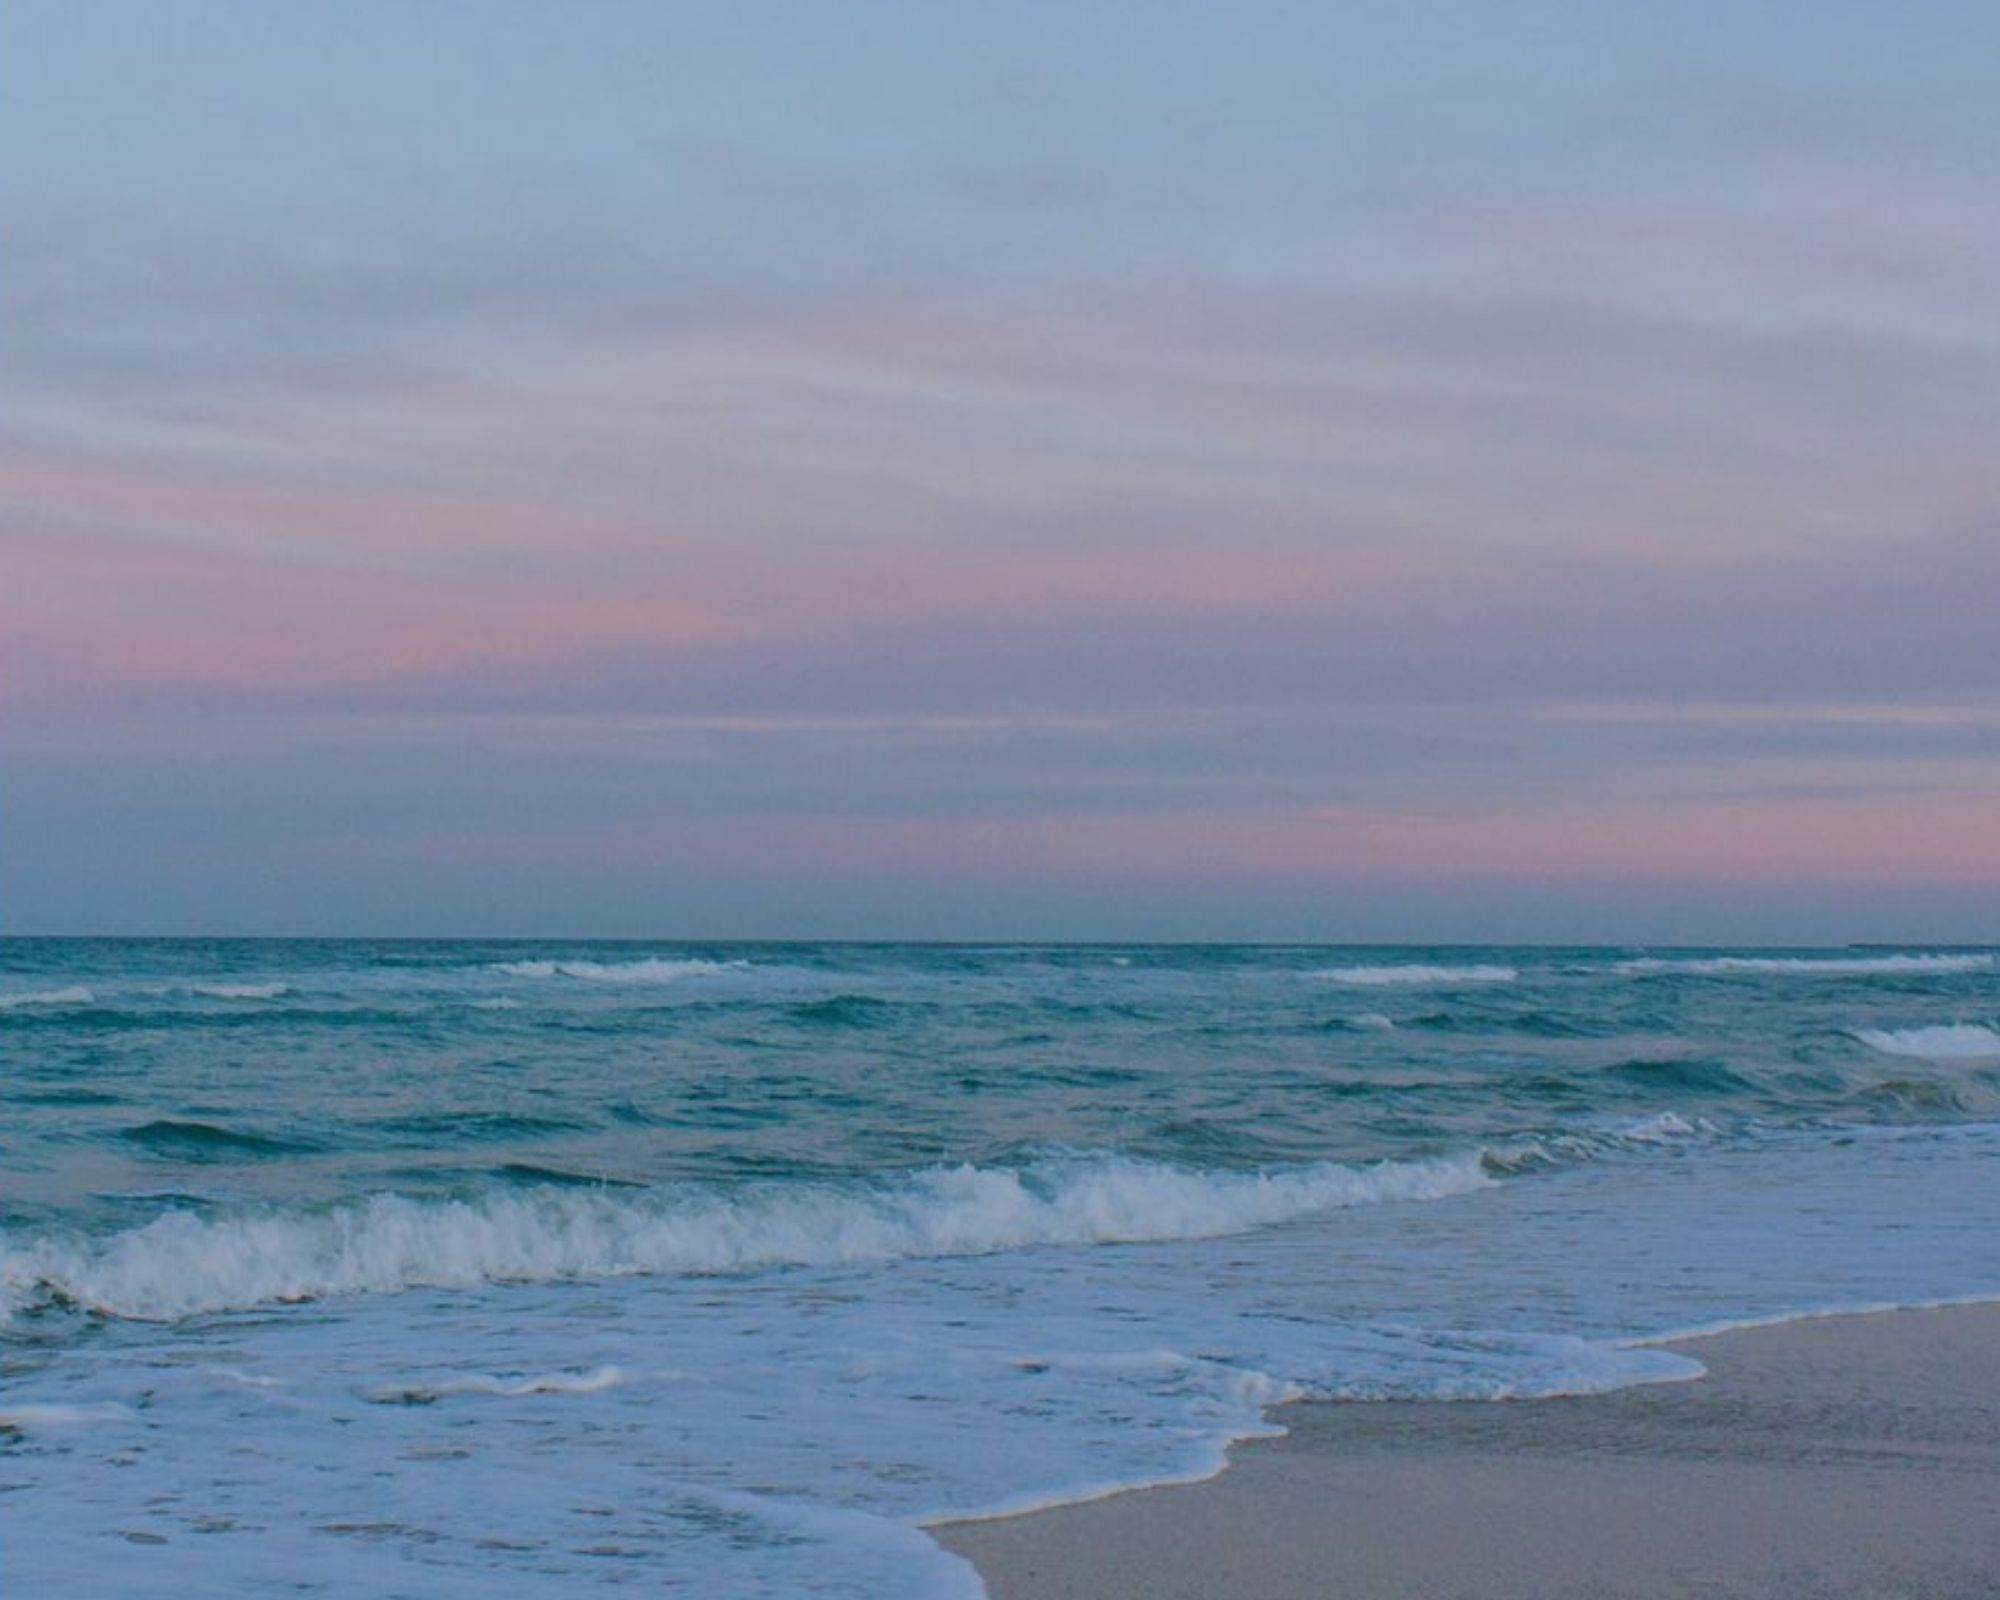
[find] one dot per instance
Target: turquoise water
(508, 1269)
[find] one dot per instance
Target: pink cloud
(1939, 840)
(274, 596)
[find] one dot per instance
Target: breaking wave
(74, 995)
(185, 1263)
(649, 970)
(240, 991)
(1417, 972)
(1958, 1041)
(1811, 966)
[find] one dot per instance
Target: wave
(842, 1011)
(74, 995)
(66, 1097)
(185, 1263)
(1672, 1075)
(649, 970)
(537, 1173)
(1919, 1096)
(204, 1141)
(1542, 1151)
(1810, 966)
(1417, 972)
(423, 1394)
(240, 991)
(459, 1127)
(1958, 1041)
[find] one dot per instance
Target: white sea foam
(1417, 972)
(1811, 966)
(650, 970)
(1661, 1129)
(20, 1417)
(1493, 1365)
(74, 995)
(183, 1263)
(1587, 1141)
(592, 1382)
(1958, 1041)
(240, 991)
(1372, 1022)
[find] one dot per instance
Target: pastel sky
(1447, 471)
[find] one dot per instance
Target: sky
(1446, 472)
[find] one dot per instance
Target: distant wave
(74, 995)
(649, 970)
(240, 991)
(1811, 966)
(185, 1263)
(1418, 973)
(1960, 1041)
(421, 1394)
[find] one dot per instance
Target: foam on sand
(1857, 1457)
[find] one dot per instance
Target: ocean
(387, 1269)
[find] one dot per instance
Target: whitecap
(1957, 1041)
(1809, 966)
(1417, 972)
(1661, 1129)
(240, 991)
(648, 970)
(74, 995)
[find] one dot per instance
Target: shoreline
(1838, 1454)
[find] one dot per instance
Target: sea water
(442, 1269)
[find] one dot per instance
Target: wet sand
(1854, 1456)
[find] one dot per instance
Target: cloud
(1052, 514)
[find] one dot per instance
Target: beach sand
(1842, 1456)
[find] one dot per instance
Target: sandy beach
(1843, 1456)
